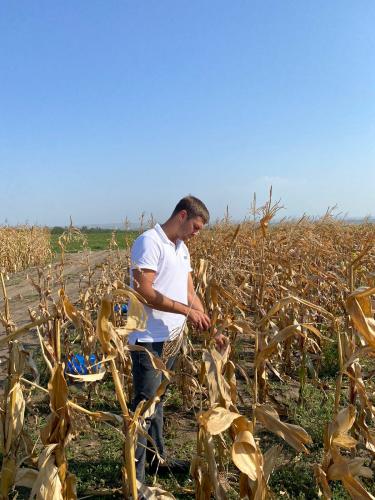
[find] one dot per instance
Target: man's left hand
(221, 342)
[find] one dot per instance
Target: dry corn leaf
(22, 330)
(201, 277)
(344, 466)
(26, 477)
(364, 352)
(245, 454)
(359, 307)
(69, 310)
(156, 362)
(148, 408)
(14, 416)
(269, 461)
(121, 290)
(322, 482)
(363, 296)
(368, 435)
(47, 485)
(217, 290)
(243, 327)
(245, 487)
(294, 435)
(344, 441)
(217, 420)
(356, 489)
(70, 487)
(7, 478)
(271, 348)
(230, 375)
(57, 427)
(14, 401)
(90, 377)
(209, 449)
(282, 336)
(200, 474)
(136, 318)
(136, 315)
(102, 327)
(338, 428)
(290, 300)
(153, 492)
(212, 369)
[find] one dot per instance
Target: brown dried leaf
(26, 477)
(344, 441)
(355, 489)
(348, 466)
(269, 461)
(290, 300)
(338, 428)
(8, 474)
(217, 420)
(136, 315)
(90, 377)
(245, 454)
(322, 482)
(153, 492)
(156, 362)
(14, 416)
(358, 305)
(47, 485)
(294, 435)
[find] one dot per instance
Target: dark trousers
(146, 380)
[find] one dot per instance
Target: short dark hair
(194, 208)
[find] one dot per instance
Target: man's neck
(170, 230)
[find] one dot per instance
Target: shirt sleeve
(145, 254)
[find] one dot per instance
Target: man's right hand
(199, 319)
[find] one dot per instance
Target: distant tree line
(84, 229)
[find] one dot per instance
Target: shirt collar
(165, 238)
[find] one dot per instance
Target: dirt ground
(23, 295)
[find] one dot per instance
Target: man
(161, 273)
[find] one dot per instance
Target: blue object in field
(123, 309)
(77, 364)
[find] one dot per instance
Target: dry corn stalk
(112, 345)
(11, 420)
(53, 477)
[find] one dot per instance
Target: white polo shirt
(154, 250)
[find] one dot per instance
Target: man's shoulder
(149, 237)
(149, 234)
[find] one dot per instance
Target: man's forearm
(161, 302)
(195, 303)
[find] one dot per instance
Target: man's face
(190, 227)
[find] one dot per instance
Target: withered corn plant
(288, 286)
(281, 293)
(12, 410)
(22, 247)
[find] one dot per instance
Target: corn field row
(22, 247)
(288, 291)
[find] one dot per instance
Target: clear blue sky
(110, 108)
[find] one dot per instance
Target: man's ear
(183, 215)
